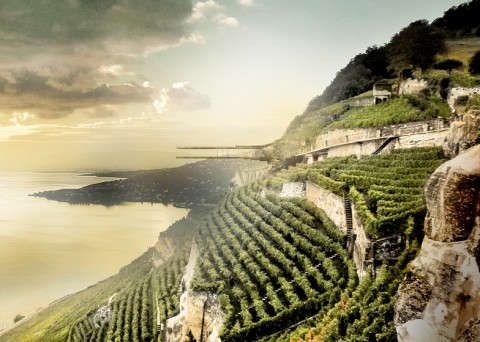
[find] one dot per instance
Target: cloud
(181, 97)
(247, 3)
(202, 9)
(18, 117)
(54, 94)
(111, 25)
(224, 20)
(100, 112)
(58, 56)
(211, 10)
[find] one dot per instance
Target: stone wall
(344, 136)
(422, 140)
(361, 102)
(364, 252)
(330, 203)
(333, 205)
(293, 189)
(190, 268)
(412, 86)
(364, 141)
(358, 149)
(245, 176)
(351, 136)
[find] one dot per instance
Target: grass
(401, 110)
(473, 102)
(461, 49)
(305, 128)
(463, 79)
(54, 322)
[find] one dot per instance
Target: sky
(117, 84)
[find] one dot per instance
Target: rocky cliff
(439, 299)
(464, 132)
(200, 316)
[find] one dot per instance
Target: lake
(50, 249)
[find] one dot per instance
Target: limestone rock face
(200, 312)
(451, 194)
(439, 299)
(412, 86)
(463, 133)
(196, 308)
(165, 247)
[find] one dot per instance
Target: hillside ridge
(277, 265)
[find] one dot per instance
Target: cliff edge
(439, 299)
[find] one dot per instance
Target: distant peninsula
(184, 186)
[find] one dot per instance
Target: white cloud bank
(181, 97)
(248, 3)
(60, 56)
(214, 12)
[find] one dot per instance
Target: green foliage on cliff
(273, 261)
(387, 193)
(474, 65)
(386, 188)
(401, 110)
(137, 287)
(280, 265)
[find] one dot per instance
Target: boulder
(439, 299)
(464, 133)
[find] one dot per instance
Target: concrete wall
(329, 202)
(358, 149)
(346, 136)
(364, 141)
(423, 139)
(343, 136)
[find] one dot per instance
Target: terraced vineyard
(136, 312)
(279, 265)
(387, 189)
(273, 261)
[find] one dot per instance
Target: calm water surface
(49, 249)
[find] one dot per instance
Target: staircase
(384, 144)
(348, 216)
(349, 220)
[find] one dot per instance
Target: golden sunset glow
(82, 80)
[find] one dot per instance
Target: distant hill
(183, 186)
(418, 50)
(279, 267)
(414, 46)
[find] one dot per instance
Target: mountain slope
(281, 269)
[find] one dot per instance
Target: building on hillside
(382, 91)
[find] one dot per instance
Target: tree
(18, 318)
(448, 65)
(416, 45)
(461, 20)
(474, 66)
